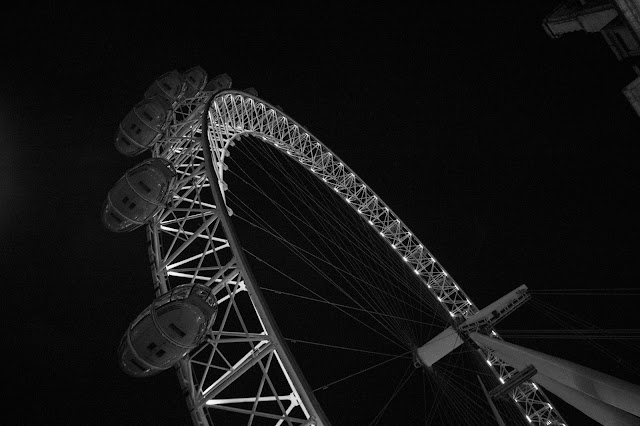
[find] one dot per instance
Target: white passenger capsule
(167, 330)
(218, 83)
(169, 86)
(142, 126)
(195, 80)
(251, 91)
(138, 195)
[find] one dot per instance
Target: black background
(511, 155)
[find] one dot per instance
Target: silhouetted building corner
(619, 23)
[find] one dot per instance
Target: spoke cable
(399, 386)
(318, 206)
(294, 340)
(326, 386)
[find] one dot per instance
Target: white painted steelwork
(188, 243)
(604, 398)
(449, 339)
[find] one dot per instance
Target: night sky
(509, 154)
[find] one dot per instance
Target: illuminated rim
(233, 113)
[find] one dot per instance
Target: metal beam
(595, 384)
(293, 372)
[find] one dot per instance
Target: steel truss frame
(189, 241)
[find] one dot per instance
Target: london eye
(236, 192)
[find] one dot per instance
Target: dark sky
(510, 155)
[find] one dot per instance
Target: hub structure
(243, 369)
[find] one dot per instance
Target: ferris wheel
(211, 320)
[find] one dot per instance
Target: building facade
(619, 23)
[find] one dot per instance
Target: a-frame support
(451, 338)
(606, 399)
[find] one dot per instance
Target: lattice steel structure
(244, 369)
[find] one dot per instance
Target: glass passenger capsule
(218, 83)
(138, 195)
(251, 91)
(195, 79)
(142, 126)
(168, 86)
(167, 330)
